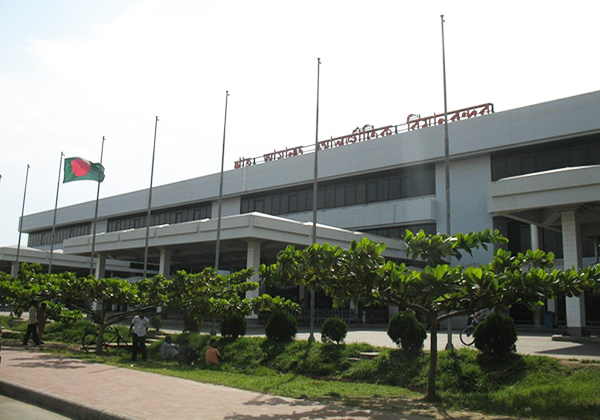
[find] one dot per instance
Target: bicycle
(467, 334)
(112, 338)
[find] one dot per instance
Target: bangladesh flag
(78, 169)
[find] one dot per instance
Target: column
(538, 311)
(165, 262)
(253, 261)
(164, 268)
(100, 266)
(572, 258)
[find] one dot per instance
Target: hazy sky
(72, 71)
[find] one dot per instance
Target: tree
(31, 284)
(207, 294)
(94, 296)
(438, 291)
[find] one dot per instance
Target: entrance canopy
(541, 198)
(191, 245)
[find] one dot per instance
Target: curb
(70, 408)
(568, 338)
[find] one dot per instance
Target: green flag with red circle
(78, 169)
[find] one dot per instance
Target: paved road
(11, 409)
(529, 342)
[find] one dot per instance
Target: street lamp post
(449, 345)
(311, 337)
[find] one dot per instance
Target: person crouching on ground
(168, 349)
(213, 357)
(139, 326)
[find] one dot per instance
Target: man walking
(32, 326)
(139, 326)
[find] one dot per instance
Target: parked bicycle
(112, 339)
(467, 335)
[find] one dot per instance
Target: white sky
(72, 71)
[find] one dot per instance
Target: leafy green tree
(94, 297)
(208, 295)
(31, 284)
(438, 291)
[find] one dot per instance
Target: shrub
(156, 322)
(233, 326)
(191, 323)
(281, 326)
(496, 335)
(407, 332)
(334, 329)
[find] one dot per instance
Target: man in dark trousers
(139, 326)
(32, 326)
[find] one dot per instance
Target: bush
(496, 335)
(156, 322)
(281, 326)
(407, 332)
(191, 323)
(334, 329)
(233, 326)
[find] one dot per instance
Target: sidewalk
(95, 391)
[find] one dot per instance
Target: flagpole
(21, 221)
(96, 213)
(149, 203)
(221, 190)
(55, 209)
(449, 345)
(311, 337)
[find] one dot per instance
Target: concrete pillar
(100, 266)
(572, 258)
(14, 269)
(538, 312)
(165, 262)
(253, 261)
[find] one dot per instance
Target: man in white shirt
(139, 326)
(32, 326)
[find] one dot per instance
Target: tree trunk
(102, 326)
(431, 390)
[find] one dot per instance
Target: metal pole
(54, 221)
(311, 337)
(149, 203)
(213, 330)
(221, 190)
(21, 221)
(96, 215)
(449, 344)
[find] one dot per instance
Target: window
(378, 187)
(555, 155)
(329, 197)
(293, 203)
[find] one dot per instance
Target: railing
(348, 315)
(376, 316)
(368, 132)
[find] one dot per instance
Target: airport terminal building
(533, 173)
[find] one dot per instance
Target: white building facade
(532, 172)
